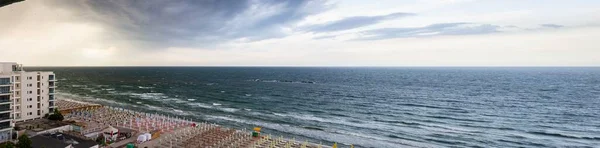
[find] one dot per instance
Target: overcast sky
(301, 33)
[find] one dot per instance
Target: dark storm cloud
(194, 22)
(552, 25)
(430, 30)
(354, 22)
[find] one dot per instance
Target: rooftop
(39, 125)
(60, 140)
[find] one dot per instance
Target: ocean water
(368, 107)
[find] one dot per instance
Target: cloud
(552, 25)
(190, 23)
(354, 22)
(459, 28)
(324, 37)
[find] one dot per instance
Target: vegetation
(7, 145)
(100, 139)
(24, 141)
(56, 116)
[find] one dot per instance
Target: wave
(283, 81)
(142, 87)
(313, 128)
(216, 104)
(336, 120)
(149, 96)
(560, 135)
(217, 107)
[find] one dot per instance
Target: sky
(301, 33)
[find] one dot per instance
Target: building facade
(23, 96)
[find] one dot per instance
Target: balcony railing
(6, 117)
(4, 100)
(51, 97)
(4, 81)
(51, 78)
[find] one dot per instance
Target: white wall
(28, 85)
(6, 67)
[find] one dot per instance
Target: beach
(173, 131)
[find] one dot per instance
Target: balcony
(4, 116)
(4, 90)
(4, 99)
(51, 97)
(51, 85)
(5, 107)
(51, 91)
(51, 78)
(5, 125)
(4, 81)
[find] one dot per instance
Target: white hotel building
(23, 96)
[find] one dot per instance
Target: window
(30, 106)
(29, 99)
(38, 99)
(29, 113)
(38, 112)
(29, 78)
(17, 85)
(17, 78)
(29, 85)
(29, 92)
(17, 107)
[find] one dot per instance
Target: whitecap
(201, 105)
(222, 91)
(231, 110)
(142, 87)
(216, 104)
(138, 102)
(191, 99)
(248, 95)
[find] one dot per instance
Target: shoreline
(176, 127)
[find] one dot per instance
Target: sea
(380, 107)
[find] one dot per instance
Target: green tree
(100, 139)
(24, 141)
(56, 115)
(7, 145)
